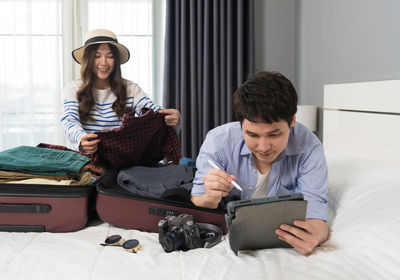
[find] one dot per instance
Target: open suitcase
(51, 208)
(119, 207)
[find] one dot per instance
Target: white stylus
(236, 185)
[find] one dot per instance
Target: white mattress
(365, 229)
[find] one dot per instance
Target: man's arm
(305, 235)
(203, 201)
(313, 183)
(217, 184)
(210, 185)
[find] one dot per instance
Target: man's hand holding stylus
(217, 184)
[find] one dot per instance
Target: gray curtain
(209, 52)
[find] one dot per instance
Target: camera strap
(211, 234)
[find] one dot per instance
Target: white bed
(364, 195)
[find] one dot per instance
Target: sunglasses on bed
(131, 245)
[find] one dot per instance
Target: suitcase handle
(22, 228)
(24, 208)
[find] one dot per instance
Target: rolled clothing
(155, 181)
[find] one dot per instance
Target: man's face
(266, 141)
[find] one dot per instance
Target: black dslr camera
(179, 233)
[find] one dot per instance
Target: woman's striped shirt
(104, 117)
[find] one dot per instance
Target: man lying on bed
(267, 153)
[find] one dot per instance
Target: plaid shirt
(143, 141)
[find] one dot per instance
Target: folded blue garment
(155, 181)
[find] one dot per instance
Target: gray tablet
(252, 223)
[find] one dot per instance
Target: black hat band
(99, 39)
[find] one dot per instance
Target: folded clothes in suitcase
(51, 208)
(119, 207)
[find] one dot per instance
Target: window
(30, 72)
(36, 45)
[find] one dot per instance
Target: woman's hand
(171, 116)
(89, 142)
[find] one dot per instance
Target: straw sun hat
(99, 36)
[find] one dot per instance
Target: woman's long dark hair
(117, 84)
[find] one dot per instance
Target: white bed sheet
(363, 215)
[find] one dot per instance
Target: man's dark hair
(267, 97)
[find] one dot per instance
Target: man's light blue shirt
(301, 167)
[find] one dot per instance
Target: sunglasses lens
(112, 239)
(131, 244)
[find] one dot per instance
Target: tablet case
(119, 207)
(39, 208)
(252, 224)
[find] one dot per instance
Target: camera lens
(167, 243)
(173, 240)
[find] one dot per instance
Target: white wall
(317, 42)
(275, 36)
(345, 41)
